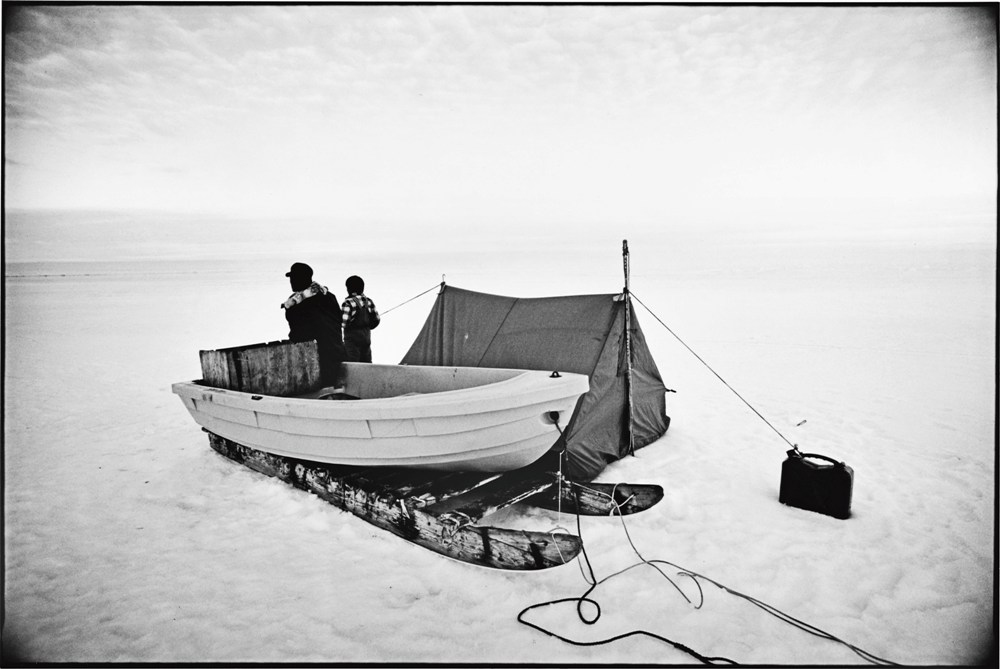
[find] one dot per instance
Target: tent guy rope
(709, 367)
(436, 285)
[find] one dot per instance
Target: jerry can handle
(838, 463)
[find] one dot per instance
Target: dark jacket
(315, 314)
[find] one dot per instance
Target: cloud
(347, 105)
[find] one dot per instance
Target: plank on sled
(600, 499)
(418, 488)
(510, 488)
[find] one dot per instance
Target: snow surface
(128, 540)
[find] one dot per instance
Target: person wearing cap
(360, 317)
(313, 313)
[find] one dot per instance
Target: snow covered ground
(128, 540)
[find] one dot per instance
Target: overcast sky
(491, 113)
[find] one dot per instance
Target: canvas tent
(581, 333)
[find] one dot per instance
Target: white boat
(448, 418)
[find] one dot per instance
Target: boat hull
(469, 419)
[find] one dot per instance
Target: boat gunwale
(489, 397)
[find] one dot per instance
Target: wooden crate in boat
(280, 368)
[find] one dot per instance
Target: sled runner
(441, 511)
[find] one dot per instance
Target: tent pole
(628, 348)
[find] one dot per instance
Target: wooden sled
(441, 511)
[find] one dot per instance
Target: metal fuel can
(824, 487)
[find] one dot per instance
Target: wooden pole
(628, 349)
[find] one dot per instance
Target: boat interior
(374, 381)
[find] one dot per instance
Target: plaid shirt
(353, 304)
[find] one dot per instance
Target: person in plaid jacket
(359, 317)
